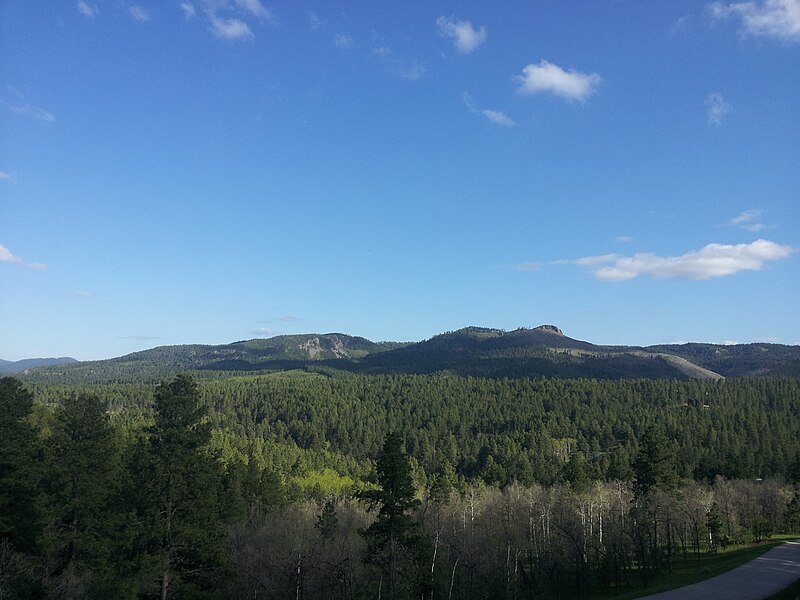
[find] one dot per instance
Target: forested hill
(473, 351)
(10, 367)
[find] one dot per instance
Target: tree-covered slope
(10, 367)
(475, 351)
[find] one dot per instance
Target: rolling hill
(542, 351)
(8, 367)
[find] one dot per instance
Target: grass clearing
(695, 569)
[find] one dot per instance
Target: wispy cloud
(314, 22)
(33, 112)
(410, 69)
(86, 9)
(464, 36)
(255, 8)
(550, 78)
(713, 260)
(287, 319)
(230, 29)
(624, 239)
(680, 25)
(6, 256)
(16, 103)
(778, 19)
(717, 108)
(264, 331)
(189, 10)
(748, 220)
(140, 338)
(138, 14)
(343, 41)
(498, 117)
(495, 116)
(231, 19)
(83, 294)
(4, 176)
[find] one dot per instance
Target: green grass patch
(695, 569)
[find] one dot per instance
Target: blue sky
(208, 171)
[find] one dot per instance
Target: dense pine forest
(332, 484)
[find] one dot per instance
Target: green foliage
(655, 467)
(472, 351)
(327, 521)
(394, 541)
(179, 487)
(81, 477)
(19, 520)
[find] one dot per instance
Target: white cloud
(255, 8)
(6, 176)
(383, 51)
(713, 260)
(746, 216)
(314, 22)
(547, 77)
(188, 10)
(779, 19)
(717, 107)
(7, 256)
(496, 117)
(748, 220)
(138, 14)
(83, 294)
(624, 239)
(462, 33)
(34, 112)
(343, 41)
(86, 9)
(231, 19)
(230, 29)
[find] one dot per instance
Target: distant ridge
(8, 367)
(543, 351)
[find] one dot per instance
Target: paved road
(758, 579)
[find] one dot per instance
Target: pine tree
(181, 493)
(655, 466)
(327, 521)
(18, 518)
(81, 461)
(394, 540)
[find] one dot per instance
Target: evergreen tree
(18, 518)
(327, 521)
(394, 540)
(20, 523)
(655, 466)
(81, 462)
(180, 495)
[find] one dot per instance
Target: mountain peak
(550, 329)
